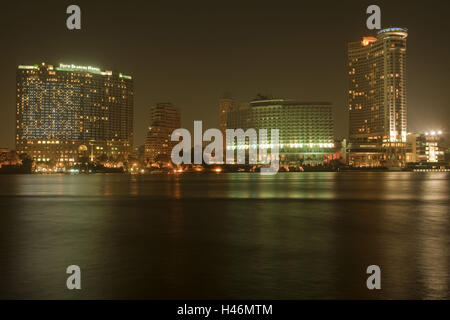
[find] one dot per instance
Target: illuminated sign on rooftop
(124, 76)
(72, 67)
(29, 67)
(75, 68)
(393, 30)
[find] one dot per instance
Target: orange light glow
(368, 40)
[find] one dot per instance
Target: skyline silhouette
(191, 54)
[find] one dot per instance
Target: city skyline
(293, 78)
(67, 110)
(213, 158)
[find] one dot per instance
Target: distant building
(306, 129)
(447, 156)
(139, 153)
(164, 119)
(426, 148)
(9, 158)
(377, 99)
(415, 148)
(68, 112)
(341, 150)
(226, 105)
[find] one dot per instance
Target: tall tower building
(164, 119)
(226, 105)
(70, 111)
(377, 99)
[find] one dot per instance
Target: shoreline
(231, 172)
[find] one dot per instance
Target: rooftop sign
(29, 67)
(392, 30)
(72, 67)
(124, 76)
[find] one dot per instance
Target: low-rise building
(9, 157)
(426, 148)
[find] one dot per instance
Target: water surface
(240, 236)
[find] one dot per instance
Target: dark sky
(191, 52)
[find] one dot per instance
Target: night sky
(191, 52)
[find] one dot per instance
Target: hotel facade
(70, 112)
(306, 129)
(377, 99)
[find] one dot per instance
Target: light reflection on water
(371, 186)
(293, 236)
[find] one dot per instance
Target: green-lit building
(70, 111)
(306, 129)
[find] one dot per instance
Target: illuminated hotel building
(377, 99)
(69, 111)
(306, 129)
(164, 119)
(426, 147)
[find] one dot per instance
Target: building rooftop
(287, 102)
(393, 31)
(74, 68)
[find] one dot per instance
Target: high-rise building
(226, 105)
(70, 111)
(306, 129)
(377, 99)
(164, 119)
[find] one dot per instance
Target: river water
(237, 236)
